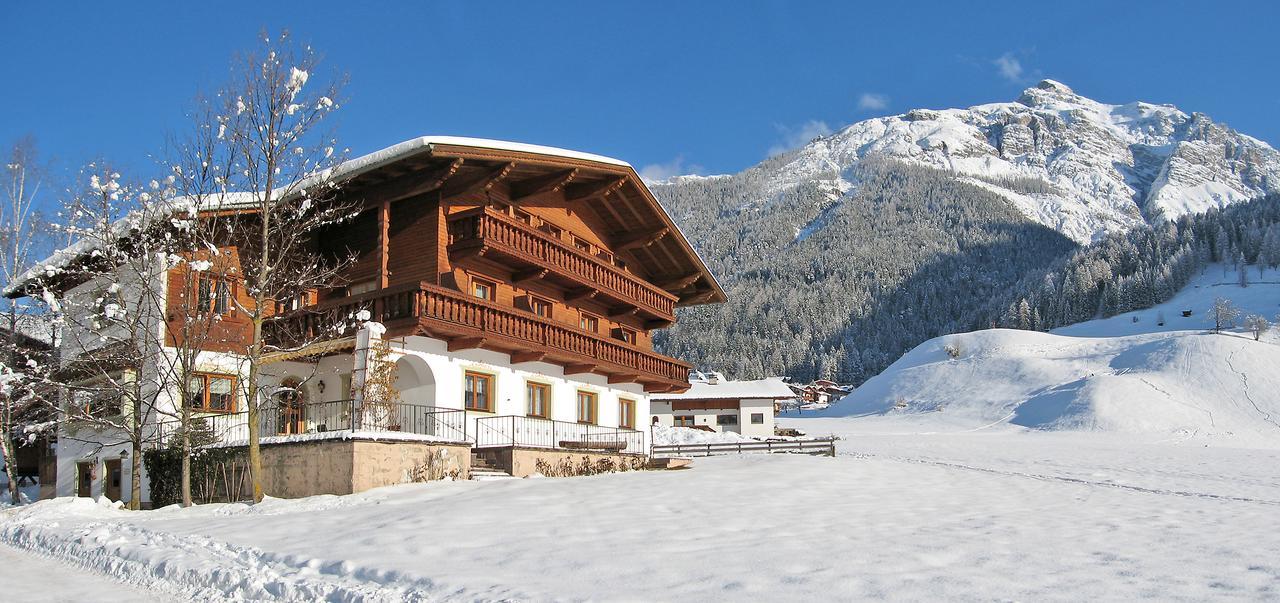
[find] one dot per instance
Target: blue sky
(672, 87)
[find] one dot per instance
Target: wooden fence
(822, 446)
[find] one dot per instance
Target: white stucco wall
(661, 410)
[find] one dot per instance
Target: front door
(84, 479)
(111, 479)
(293, 408)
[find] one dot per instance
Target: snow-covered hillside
(1115, 375)
(1071, 163)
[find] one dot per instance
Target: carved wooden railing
(492, 228)
(462, 316)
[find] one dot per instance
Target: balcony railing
(447, 313)
(320, 417)
(489, 228)
(532, 432)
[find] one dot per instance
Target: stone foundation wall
(523, 462)
(297, 469)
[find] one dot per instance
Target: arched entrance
(291, 407)
(415, 381)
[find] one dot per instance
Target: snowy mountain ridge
(1079, 166)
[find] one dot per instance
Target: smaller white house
(713, 402)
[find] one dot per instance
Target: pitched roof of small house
(770, 388)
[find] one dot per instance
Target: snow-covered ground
(996, 514)
(33, 578)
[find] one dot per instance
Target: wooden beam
(680, 283)
(580, 293)
(587, 190)
(413, 183)
(698, 298)
(480, 183)
(384, 243)
(623, 312)
(576, 369)
(657, 324)
(643, 239)
(465, 343)
(542, 184)
(518, 357)
(625, 378)
(524, 276)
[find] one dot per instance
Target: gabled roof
(609, 187)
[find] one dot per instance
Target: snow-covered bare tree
(1257, 325)
(1223, 314)
(110, 296)
(21, 371)
(267, 123)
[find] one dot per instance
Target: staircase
(483, 470)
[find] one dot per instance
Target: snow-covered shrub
(1257, 325)
(567, 468)
(953, 350)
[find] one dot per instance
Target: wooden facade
(548, 258)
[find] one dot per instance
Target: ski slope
(1126, 374)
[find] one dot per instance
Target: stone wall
(523, 462)
(346, 466)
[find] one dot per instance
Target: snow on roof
(347, 169)
(772, 387)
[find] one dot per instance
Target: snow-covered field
(998, 514)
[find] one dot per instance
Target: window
(482, 289)
(617, 261)
(605, 255)
(479, 392)
(587, 407)
(553, 230)
(214, 294)
(207, 392)
(588, 322)
(362, 287)
(757, 418)
(684, 420)
(524, 216)
(627, 335)
(540, 306)
(100, 400)
(539, 399)
(582, 244)
(626, 413)
(726, 419)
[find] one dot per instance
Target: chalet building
(718, 404)
(516, 287)
(821, 392)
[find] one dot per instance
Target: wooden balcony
(524, 248)
(468, 322)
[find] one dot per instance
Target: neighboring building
(745, 407)
(35, 457)
(820, 393)
(518, 287)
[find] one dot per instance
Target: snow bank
(666, 436)
(1192, 384)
